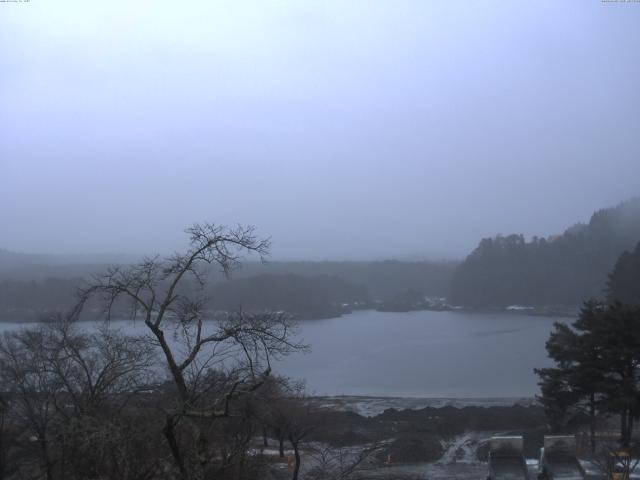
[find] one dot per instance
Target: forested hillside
(306, 297)
(623, 284)
(32, 285)
(384, 280)
(562, 270)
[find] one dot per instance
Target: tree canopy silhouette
(560, 270)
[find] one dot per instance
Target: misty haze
(337, 240)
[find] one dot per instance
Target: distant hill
(28, 266)
(383, 280)
(560, 270)
(305, 297)
(31, 285)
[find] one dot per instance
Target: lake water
(416, 354)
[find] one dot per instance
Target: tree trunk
(45, 457)
(296, 468)
(280, 444)
(2, 453)
(170, 435)
(592, 423)
(265, 443)
(624, 428)
(202, 448)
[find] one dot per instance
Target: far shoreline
(369, 406)
(543, 311)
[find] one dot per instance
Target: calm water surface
(417, 354)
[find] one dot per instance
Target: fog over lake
(414, 354)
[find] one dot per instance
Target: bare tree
(291, 416)
(66, 389)
(101, 374)
(169, 296)
(96, 367)
(7, 439)
(344, 463)
(33, 393)
(265, 407)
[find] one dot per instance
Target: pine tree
(575, 387)
(597, 368)
(623, 284)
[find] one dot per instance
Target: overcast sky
(342, 129)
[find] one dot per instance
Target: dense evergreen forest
(596, 360)
(32, 286)
(308, 297)
(561, 270)
(623, 284)
(383, 280)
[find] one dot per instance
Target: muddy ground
(433, 439)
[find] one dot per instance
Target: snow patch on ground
(462, 449)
